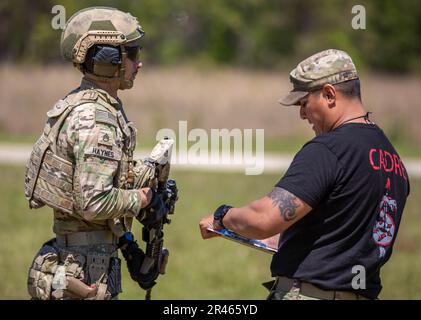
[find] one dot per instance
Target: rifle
(156, 256)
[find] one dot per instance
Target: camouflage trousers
(293, 294)
(286, 293)
(75, 272)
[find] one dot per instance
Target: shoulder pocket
(58, 109)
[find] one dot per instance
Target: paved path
(18, 154)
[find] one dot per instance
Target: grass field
(213, 269)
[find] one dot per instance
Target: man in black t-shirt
(339, 205)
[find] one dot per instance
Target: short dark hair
(350, 89)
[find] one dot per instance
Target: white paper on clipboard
(252, 243)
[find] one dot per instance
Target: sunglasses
(133, 53)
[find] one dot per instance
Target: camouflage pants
(292, 289)
(62, 273)
(293, 294)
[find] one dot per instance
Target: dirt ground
(207, 98)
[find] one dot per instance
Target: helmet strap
(102, 79)
(124, 84)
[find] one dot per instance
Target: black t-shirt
(357, 186)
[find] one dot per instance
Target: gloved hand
(147, 281)
(134, 257)
(155, 210)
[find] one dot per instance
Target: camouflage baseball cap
(329, 66)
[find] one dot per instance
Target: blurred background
(216, 64)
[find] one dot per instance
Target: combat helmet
(104, 37)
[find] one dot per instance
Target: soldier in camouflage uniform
(82, 166)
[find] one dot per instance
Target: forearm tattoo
(285, 201)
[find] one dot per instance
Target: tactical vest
(49, 178)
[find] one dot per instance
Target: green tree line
(248, 33)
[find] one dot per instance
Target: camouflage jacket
(99, 141)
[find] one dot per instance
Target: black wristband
(220, 213)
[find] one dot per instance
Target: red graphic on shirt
(384, 229)
(386, 161)
(388, 184)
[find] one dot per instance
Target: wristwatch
(220, 213)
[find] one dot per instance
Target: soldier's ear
(329, 93)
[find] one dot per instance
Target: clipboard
(252, 243)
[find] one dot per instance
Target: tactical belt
(285, 284)
(86, 238)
